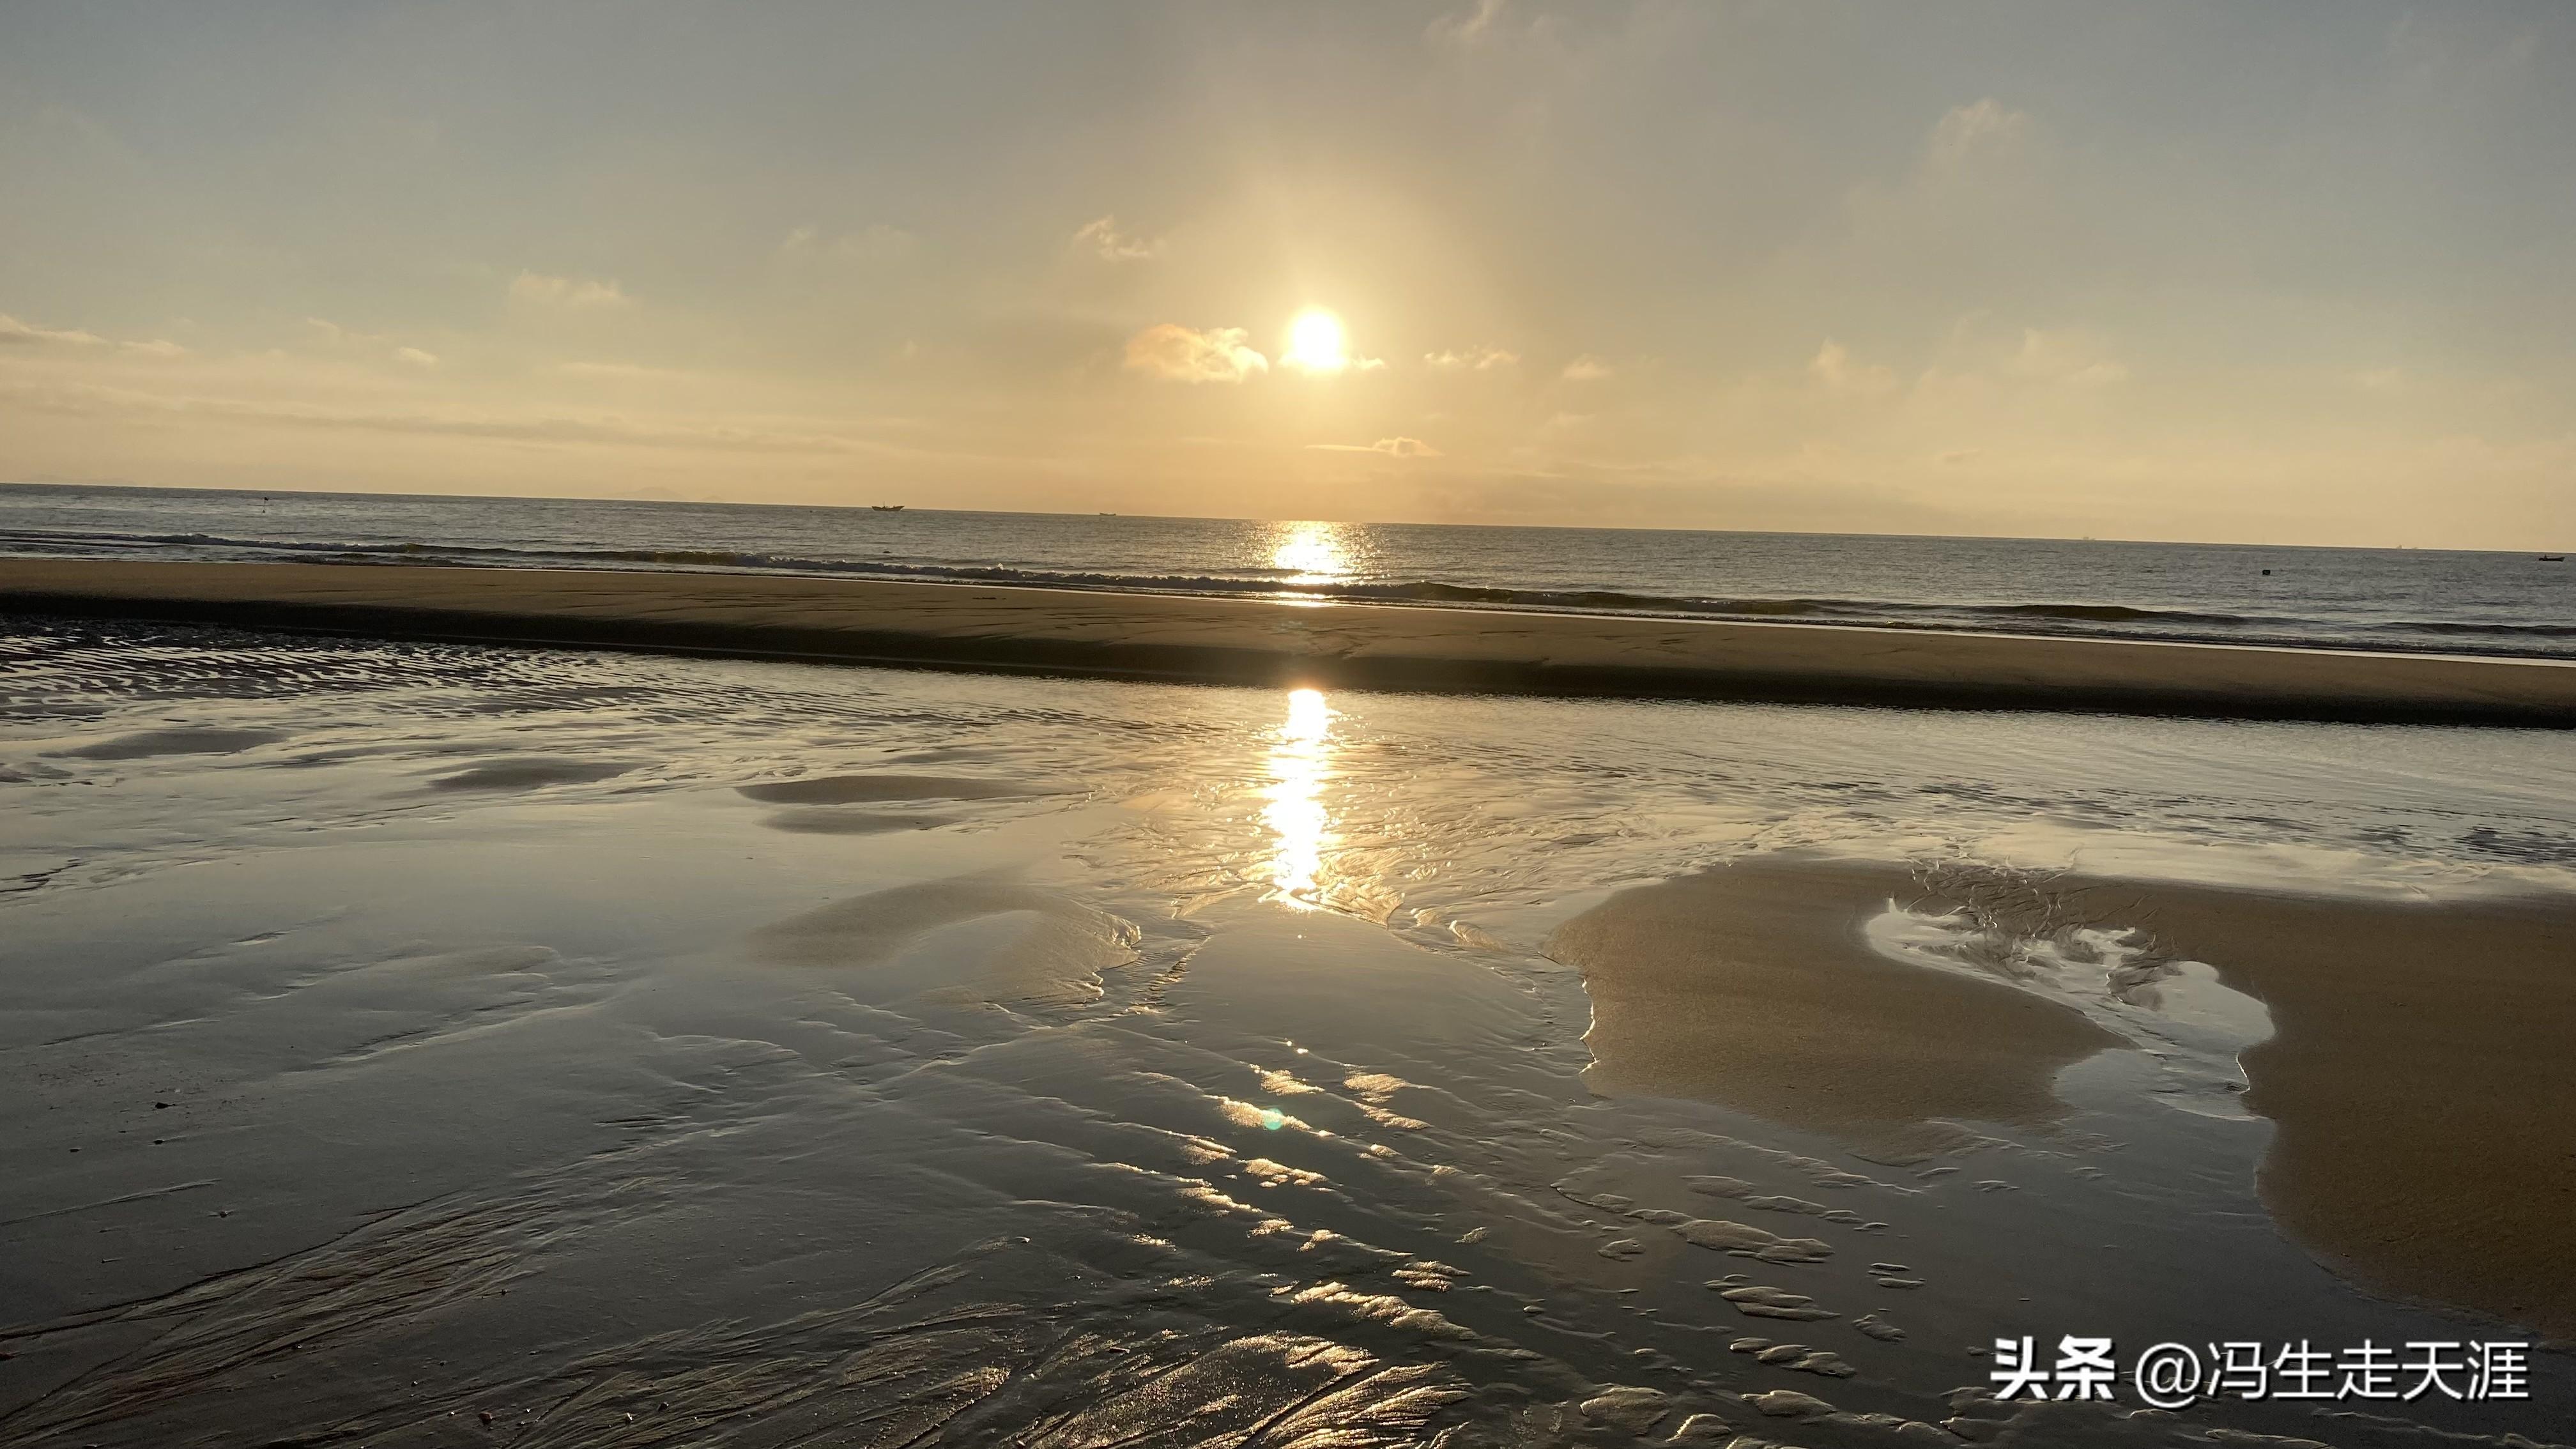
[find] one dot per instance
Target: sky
(2265, 272)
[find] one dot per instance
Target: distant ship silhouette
(885, 508)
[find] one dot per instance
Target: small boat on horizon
(2553, 558)
(885, 508)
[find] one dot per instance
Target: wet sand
(749, 1052)
(1324, 645)
(1752, 985)
(2419, 1071)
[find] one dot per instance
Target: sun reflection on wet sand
(1300, 762)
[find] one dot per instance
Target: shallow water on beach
(640, 1050)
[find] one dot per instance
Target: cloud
(14, 333)
(1104, 240)
(335, 336)
(2072, 359)
(1981, 128)
(627, 372)
(1586, 368)
(1478, 359)
(1468, 27)
(1833, 369)
(565, 291)
(1957, 456)
(1176, 353)
(875, 242)
(84, 400)
(1392, 447)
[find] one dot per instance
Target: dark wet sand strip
(1254, 641)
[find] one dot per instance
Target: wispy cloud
(2072, 359)
(1587, 368)
(1175, 353)
(536, 287)
(84, 400)
(1470, 26)
(627, 372)
(1476, 359)
(14, 333)
(1103, 239)
(875, 242)
(1979, 128)
(1392, 447)
(371, 344)
(1834, 369)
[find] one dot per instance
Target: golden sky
(2288, 272)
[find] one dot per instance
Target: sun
(1316, 342)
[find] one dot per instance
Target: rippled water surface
(419, 1044)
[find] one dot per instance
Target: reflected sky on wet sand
(756, 1026)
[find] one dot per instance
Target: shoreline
(1330, 645)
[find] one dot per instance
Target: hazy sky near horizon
(2294, 271)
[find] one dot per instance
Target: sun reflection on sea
(1300, 762)
(1312, 553)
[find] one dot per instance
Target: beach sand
(1752, 985)
(1321, 644)
(424, 1044)
(2422, 1075)
(2419, 1070)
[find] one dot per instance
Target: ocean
(2521, 604)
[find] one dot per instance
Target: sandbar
(1275, 642)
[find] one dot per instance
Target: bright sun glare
(1311, 552)
(1316, 342)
